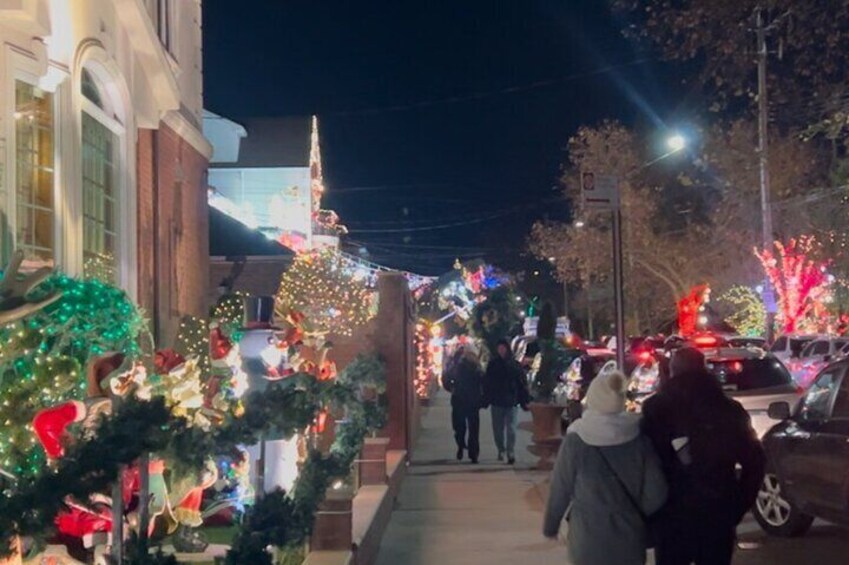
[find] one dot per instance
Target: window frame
(839, 372)
(844, 386)
(111, 123)
(23, 68)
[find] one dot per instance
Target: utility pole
(618, 288)
(763, 151)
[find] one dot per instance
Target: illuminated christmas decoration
(799, 281)
(691, 310)
(429, 357)
(320, 287)
(749, 316)
(316, 176)
(168, 407)
(100, 267)
(460, 294)
(42, 358)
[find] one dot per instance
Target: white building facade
(101, 138)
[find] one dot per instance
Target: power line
(436, 227)
(480, 95)
(472, 221)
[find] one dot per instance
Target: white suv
(789, 347)
(752, 377)
(816, 355)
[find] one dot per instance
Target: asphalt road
(824, 544)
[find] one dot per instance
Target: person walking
(464, 380)
(701, 437)
(607, 480)
(504, 389)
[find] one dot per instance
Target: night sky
(443, 122)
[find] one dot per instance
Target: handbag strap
(631, 498)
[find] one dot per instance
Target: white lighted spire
(316, 178)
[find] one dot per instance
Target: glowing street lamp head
(676, 142)
(579, 224)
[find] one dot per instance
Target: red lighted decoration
(799, 281)
(689, 309)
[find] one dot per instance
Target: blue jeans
(504, 420)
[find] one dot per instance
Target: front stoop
(371, 509)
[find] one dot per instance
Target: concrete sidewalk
(451, 513)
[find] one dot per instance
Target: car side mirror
(778, 410)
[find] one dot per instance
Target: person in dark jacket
(701, 436)
(464, 381)
(607, 479)
(504, 388)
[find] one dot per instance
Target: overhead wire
(490, 93)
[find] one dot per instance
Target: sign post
(601, 192)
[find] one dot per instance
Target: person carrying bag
(608, 479)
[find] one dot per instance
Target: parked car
(789, 347)
(746, 341)
(752, 377)
(815, 357)
(581, 372)
(808, 458)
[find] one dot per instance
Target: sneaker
(474, 460)
(459, 454)
(511, 460)
(501, 456)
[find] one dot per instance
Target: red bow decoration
(327, 371)
(293, 335)
(219, 345)
(295, 318)
(167, 359)
(321, 422)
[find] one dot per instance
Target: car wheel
(777, 515)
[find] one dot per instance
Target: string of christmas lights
(799, 281)
(749, 316)
(42, 358)
(331, 299)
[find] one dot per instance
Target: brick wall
(260, 276)
(173, 256)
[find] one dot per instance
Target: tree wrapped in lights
(322, 287)
(748, 311)
(799, 281)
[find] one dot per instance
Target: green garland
(284, 521)
(497, 317)
(89, 467)
(43, 358)
(137, 427)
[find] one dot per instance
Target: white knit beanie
(607, 393)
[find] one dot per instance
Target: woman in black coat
(464, 380)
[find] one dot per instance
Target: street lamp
(579, 224)
(676, 143)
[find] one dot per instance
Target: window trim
(92, 56)
(24, 68)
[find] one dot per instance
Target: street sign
(600, 192)
(768, 297)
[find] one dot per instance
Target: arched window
(101, 179)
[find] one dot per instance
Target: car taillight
(736, 366)
(644, 356)
(705, 341)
